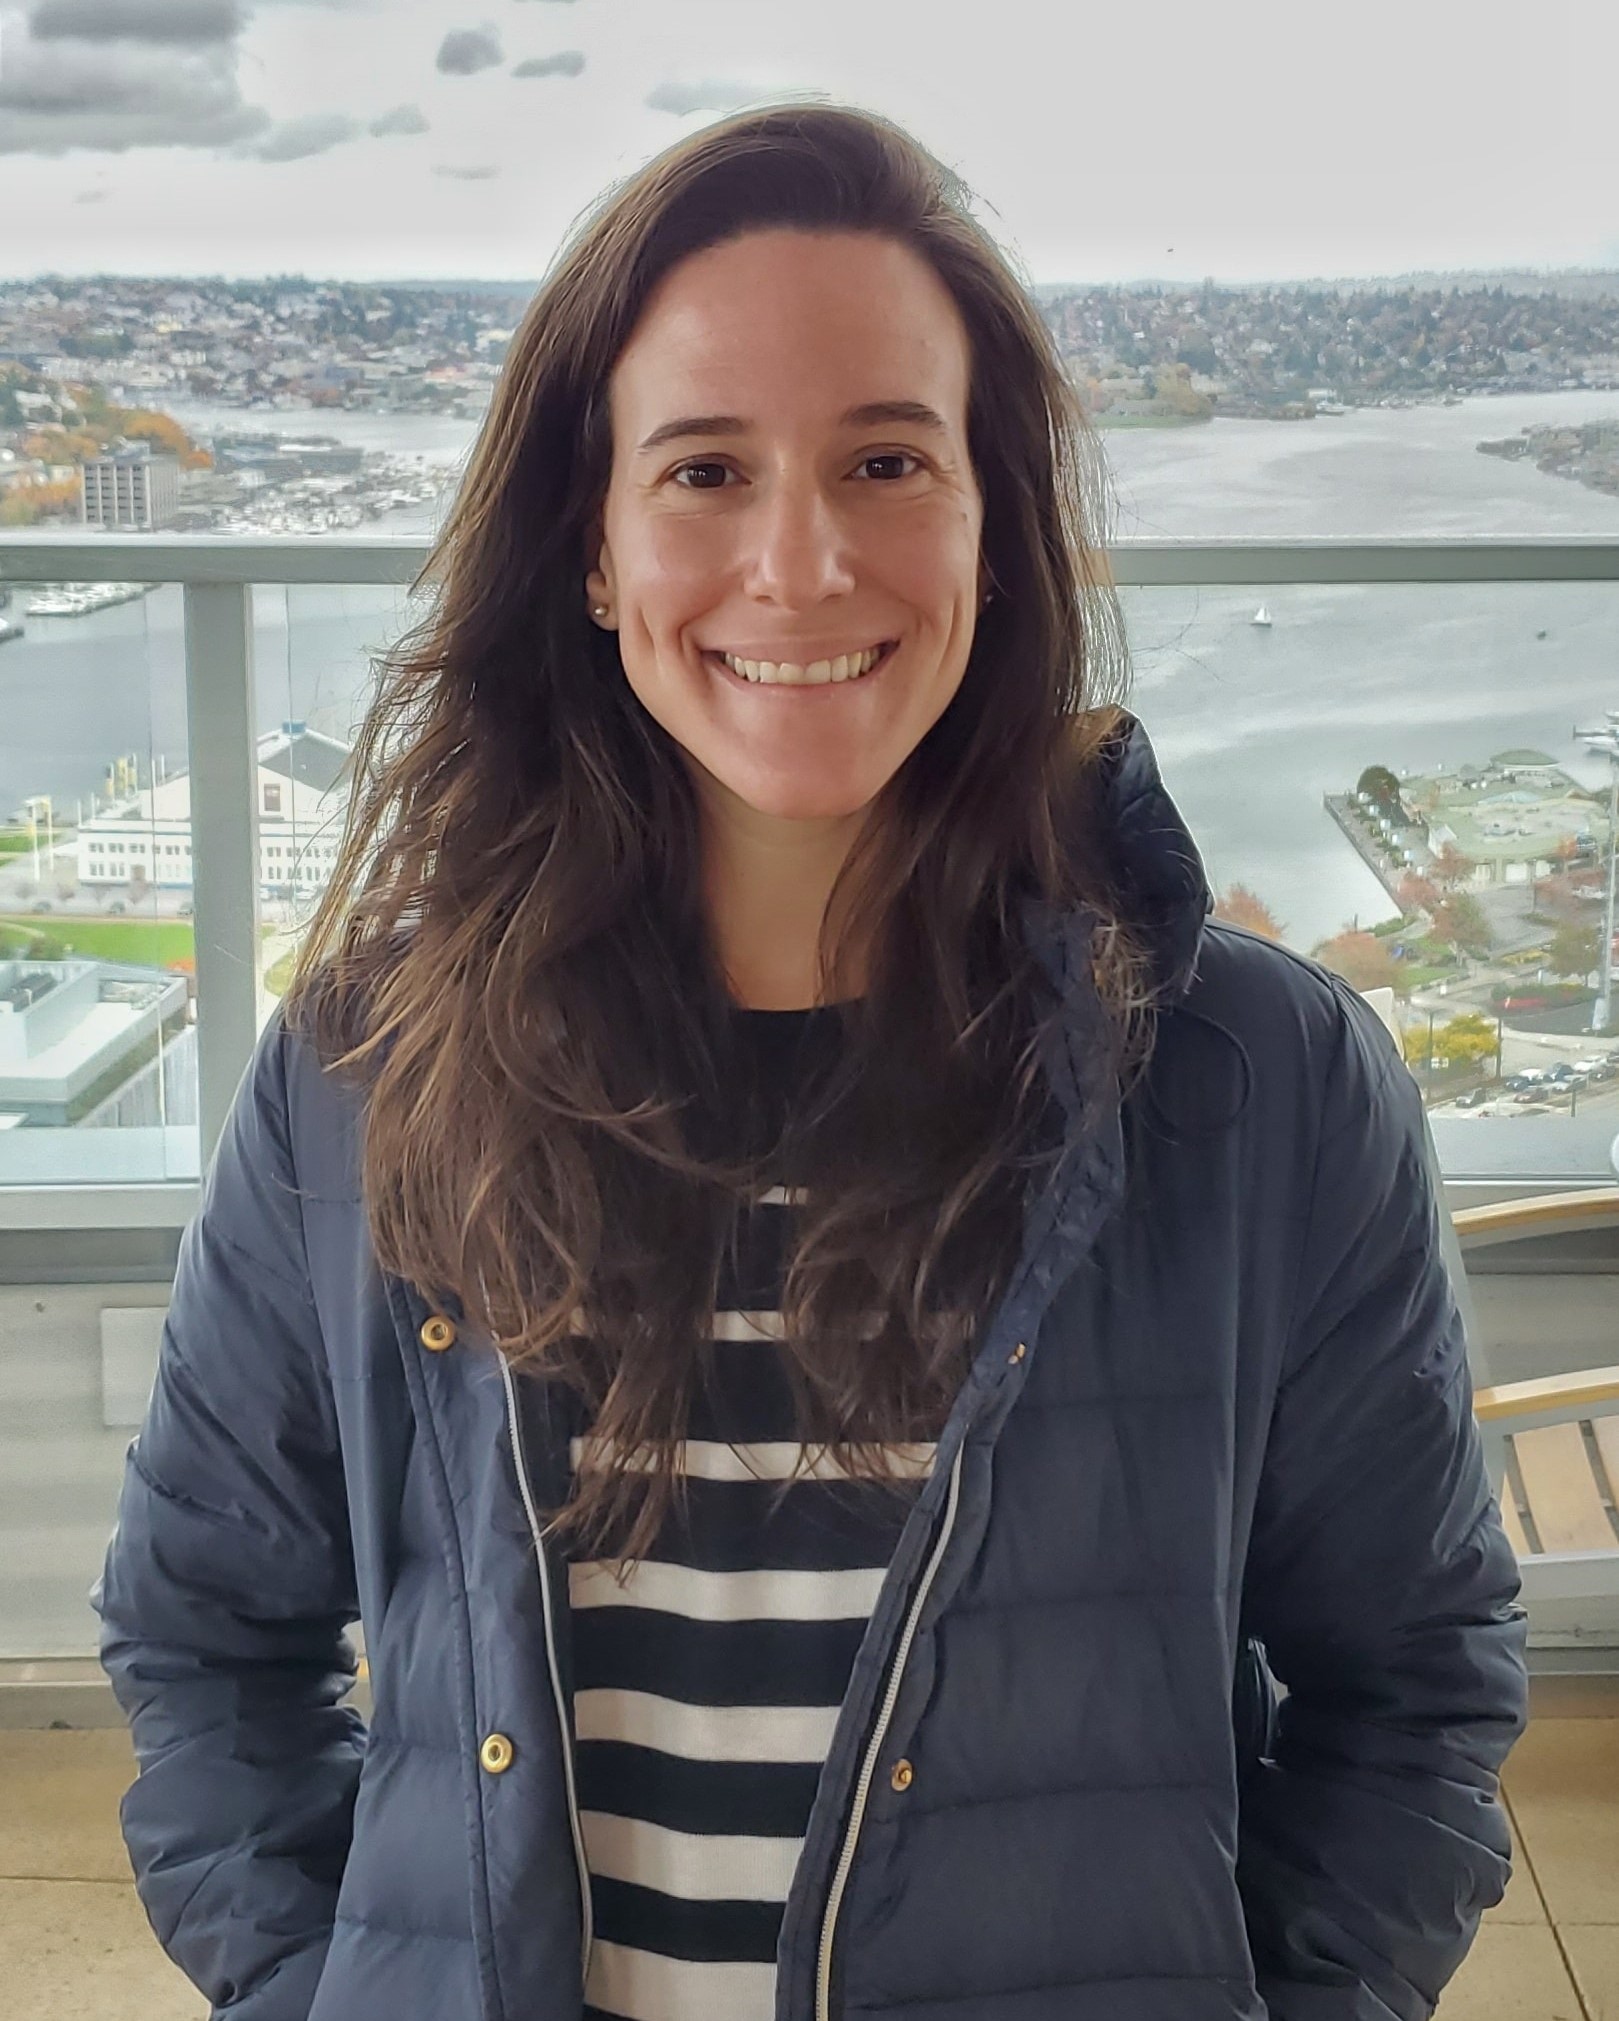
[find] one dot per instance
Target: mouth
(842, 672)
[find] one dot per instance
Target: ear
(599, 574)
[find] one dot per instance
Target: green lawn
(149, 943)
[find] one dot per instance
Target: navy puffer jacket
(1225, 1406)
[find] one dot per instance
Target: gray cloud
(296, 139)
(91, 196)
(712, 94)
(186, 22)
(401, 119)
(74, 93)
(566, 63)
(482, 174)
(465, 50)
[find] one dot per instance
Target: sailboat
(1261, 616)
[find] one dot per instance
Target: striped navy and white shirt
(707, 1684)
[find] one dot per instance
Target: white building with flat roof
(73, 1031)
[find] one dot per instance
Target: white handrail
(1134, 561)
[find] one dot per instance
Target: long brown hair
(512, 955)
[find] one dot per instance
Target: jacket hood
(1156, 865)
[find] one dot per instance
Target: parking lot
(1559, 1085)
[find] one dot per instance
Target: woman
(818, 1312)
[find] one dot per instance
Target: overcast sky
(442, 138)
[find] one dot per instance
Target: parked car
(1597, 1068)
(1563, 1071)
(1472, 1098)
(1531, 1077)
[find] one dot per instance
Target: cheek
(931, 556)
(672, 556)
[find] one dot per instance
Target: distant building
(131, 488)
(264, 459)
(1519, 817)
(302, 789)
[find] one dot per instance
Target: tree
(1360, 958)
(1380, 786)
(1460, 921)
(1243, 907)
(1416, 893)
(163, 432)
(27, 504)
(1465, 1040)
(1451, 867)
(1574, 950)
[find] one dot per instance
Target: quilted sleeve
(227, 1591)
(1382, 1584)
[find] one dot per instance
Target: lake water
(1252, 726)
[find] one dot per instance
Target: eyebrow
(916, 412)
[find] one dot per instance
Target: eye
(681, 469)
(892, 456)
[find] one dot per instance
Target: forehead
(793, 324)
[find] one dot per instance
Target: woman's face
(761, 505)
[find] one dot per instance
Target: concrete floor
(76, 1944)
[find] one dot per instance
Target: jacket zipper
(874, 1747)
(564, 1723)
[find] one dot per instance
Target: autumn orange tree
(1361, 959)
(1451, 867)
(163, 432)
(1416, 893)
(1243, 907)
(55, 444)
(27, 504)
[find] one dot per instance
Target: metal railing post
(222, 715)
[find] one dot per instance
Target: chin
(800, 799)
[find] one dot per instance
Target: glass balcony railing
(1375, 743)
(172, 789)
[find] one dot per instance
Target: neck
(767, 882)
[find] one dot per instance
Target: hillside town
(1136, 352)
(256, 344)
(1294, 352)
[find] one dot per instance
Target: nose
(799, 551)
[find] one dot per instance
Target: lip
(712, 659)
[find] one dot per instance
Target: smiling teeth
(818, 673)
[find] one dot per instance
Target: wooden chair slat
(1561, 1489)
(1607, 1437)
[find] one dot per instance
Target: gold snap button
(902, 1775)
(1018, 1352)
(438, 1333)
(496, 1754)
